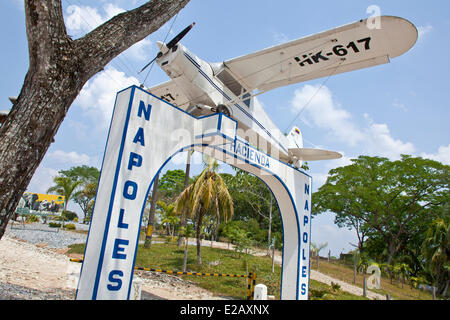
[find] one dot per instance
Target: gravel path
(33, 266)
(38, 233)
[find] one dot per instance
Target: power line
(168, 32)
(118, 58)
(314, 95)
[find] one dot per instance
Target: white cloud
(42, 180)
(397, 104)
(139, 51)
(82, 19)
(280, 37)
(112, 10)
(20, 4)
(443, 155)
(379, 142)
(97, 97)
(69, 157)
(424, 30)
(320, 109)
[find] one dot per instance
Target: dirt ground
(34, 272)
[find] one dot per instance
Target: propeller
(172, 43)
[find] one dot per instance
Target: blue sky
(401, 107)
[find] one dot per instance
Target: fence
(251, 277)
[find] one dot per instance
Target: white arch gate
(145, 133)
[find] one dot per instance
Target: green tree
(316, 248)
(403, 271)
(85, 196)
(207, 194)
(169, 216)
(65, 187)
(171, 184)
(436, 250)
(392, 200)
(253, 200)
(85, 199)
(84, 173)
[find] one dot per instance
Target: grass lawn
(170, 257)
(395, 290)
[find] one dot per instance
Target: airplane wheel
(224, 110)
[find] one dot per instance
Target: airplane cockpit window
(245, 100)
(231, 83)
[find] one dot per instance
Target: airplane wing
(170, 92)
(307, 154)
(347, 48)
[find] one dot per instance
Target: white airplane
(231, 87)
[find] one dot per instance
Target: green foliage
(84, 195)
(64, 186)
(390, 205)
(32, 218)
(69, 215)
(169, 217)
(171, 184)
(317, 294)
(335, 287)
(253, 200)
(54, 225)
(69, 226)
(207, 195)
(436, 250)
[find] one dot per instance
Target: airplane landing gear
(223, 109)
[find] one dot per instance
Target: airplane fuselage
(212, 88)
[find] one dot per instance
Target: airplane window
(231, 83)
(246, 101)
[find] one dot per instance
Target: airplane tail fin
(295, 138)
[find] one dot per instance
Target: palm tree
(151, 215)
(316, 248)
(403, 271)
(64, 186)
(169, 216)
(436, 250)
(208, 193)
(186, 184)
(186, 232)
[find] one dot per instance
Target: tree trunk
(151, 215)
(185, 254)
(58, 69)
(198, 236)
(183, 221)
(269, 233)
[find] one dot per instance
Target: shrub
(32, 218)
(70, 226)
(69, 215)
(317, 294)
(54, 225)
(171, 239)
(335, 286)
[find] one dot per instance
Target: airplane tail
(295, 138)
